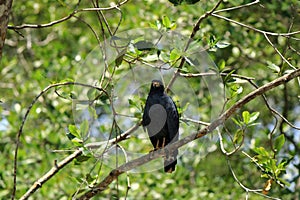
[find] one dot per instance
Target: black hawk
(162, 122)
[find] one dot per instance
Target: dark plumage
(162, 122)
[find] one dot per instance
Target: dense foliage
(102, 61)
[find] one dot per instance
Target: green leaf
(222, 65)
(84, 127)
(273, 67)
(261, 151)
(264, 176)
(92, 112)
(271, 165)
(119, 60)
(132, 103)
(281, 180)
(228, 78)
(166, 22)
(74, 131)
(151, 57)
(279, 142)
(91, 93)
(157, 25)
(253, 117)
(179, 108)
(81, 159)
(238, 136)
(235, 89)
(246, 117)
(173, 26)
(70, 136)
(77, 142)
(222, 44)
(236, 121)
(174, 55)
(137, 115)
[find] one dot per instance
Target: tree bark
(5, 8)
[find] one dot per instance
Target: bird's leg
(163, 146)
(157, 145)
(155, 148)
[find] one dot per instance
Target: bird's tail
(170, 162)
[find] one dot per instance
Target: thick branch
(59, 166)
(146, 158)
(5, 7)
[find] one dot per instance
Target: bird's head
(157, 86)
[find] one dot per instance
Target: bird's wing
(146, 118)
(172, 119)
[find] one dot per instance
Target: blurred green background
(34, 58)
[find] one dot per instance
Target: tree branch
(194, 31)
(237, 7)
(57, 166)
(25, 118)
(67, 17)
(256, 191)
(161, 152)
(190, 75)
(5, 8)
(255, 29)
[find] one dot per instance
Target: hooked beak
(156, 84)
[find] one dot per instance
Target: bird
(161, 120)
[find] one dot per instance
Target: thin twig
(237, 7)
(194, 31)
(274, 110)
(282, 57)
(224, 151)
(256, 191)
(91, 28)
(190, 75)
(66, 17)
(255, 29)
(186, 119)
